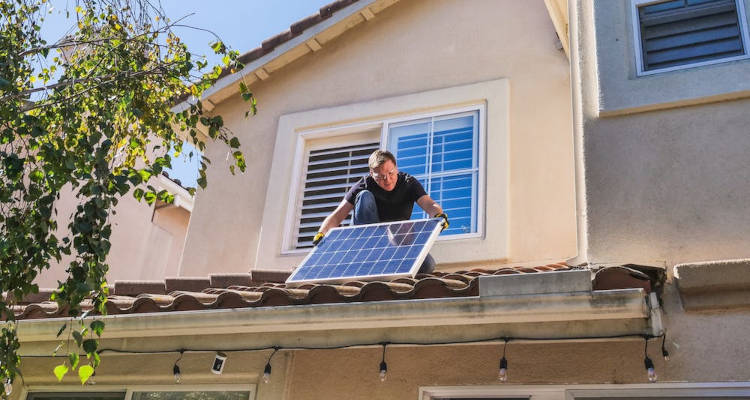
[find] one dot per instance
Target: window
(649, 391)
(443, 153)
(329, 175)
(203, 392)
(676, 34)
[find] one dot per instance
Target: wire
(348, 346)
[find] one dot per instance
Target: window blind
(443, 154)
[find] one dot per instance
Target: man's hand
(446, 224)
(318, 237)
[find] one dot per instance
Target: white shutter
(330, 173)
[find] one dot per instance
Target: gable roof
(303, 37)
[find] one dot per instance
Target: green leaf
(73, 358)
(5, 84)
(62, 329)
(78, 338)
(234, 143)
(60, 371)
(90, 345)
(145, 175)
(85, 372)
(98, 327)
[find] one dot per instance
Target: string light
(650, 370)
(267, 369)
(383, 365)
(664, 351)
(220, 357)
(8, 386)
(176, 368)
(502, 374)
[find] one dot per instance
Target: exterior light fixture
(383, 365)
(219, 362)
(650, 370)
(502, 374)
(267, 369)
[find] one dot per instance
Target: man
(384, 195)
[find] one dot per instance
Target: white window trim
(481, 151)
(129, 389)
(302, 149)
(637, 43)
(575, 392)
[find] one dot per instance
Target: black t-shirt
(395, 205)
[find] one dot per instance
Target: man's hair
(379, 157)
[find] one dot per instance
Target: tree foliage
(92, 113)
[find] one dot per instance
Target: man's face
(385, 175)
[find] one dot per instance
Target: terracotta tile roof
(266, 288)
(294, 30)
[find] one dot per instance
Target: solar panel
(367, 252)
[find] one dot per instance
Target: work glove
(446, 224)
(318, 237)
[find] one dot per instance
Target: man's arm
(337, 216)
(429, 206)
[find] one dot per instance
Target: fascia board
(285, 47)
(609, 306)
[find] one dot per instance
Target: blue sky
(241, 24)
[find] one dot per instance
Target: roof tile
(243, 290)
(190, 284)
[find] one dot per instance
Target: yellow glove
(318, 237)
(446, 224)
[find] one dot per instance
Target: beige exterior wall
(663, 173)
(147, 243)
(405, 51)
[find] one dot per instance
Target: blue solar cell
(369, 251)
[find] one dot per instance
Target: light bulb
(650, 369)
(176, 372)
(383, 371)
(8, 387)
(502, 375)
(267, 373)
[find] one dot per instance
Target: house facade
(594, 179)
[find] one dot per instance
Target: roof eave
(257, 69)
(597, 314)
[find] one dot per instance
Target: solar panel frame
(412, 271)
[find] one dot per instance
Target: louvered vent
(683, 32)
(330, 174)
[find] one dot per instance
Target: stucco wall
(663, 178)
(406, 49)
(142, 248)
(704, 347)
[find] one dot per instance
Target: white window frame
(129, 389)
(638, 44)
(726, 390)
(480, 154)
(303, 148)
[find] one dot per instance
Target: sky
(241, 24)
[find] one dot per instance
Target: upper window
(677, 34)
(443, 153)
